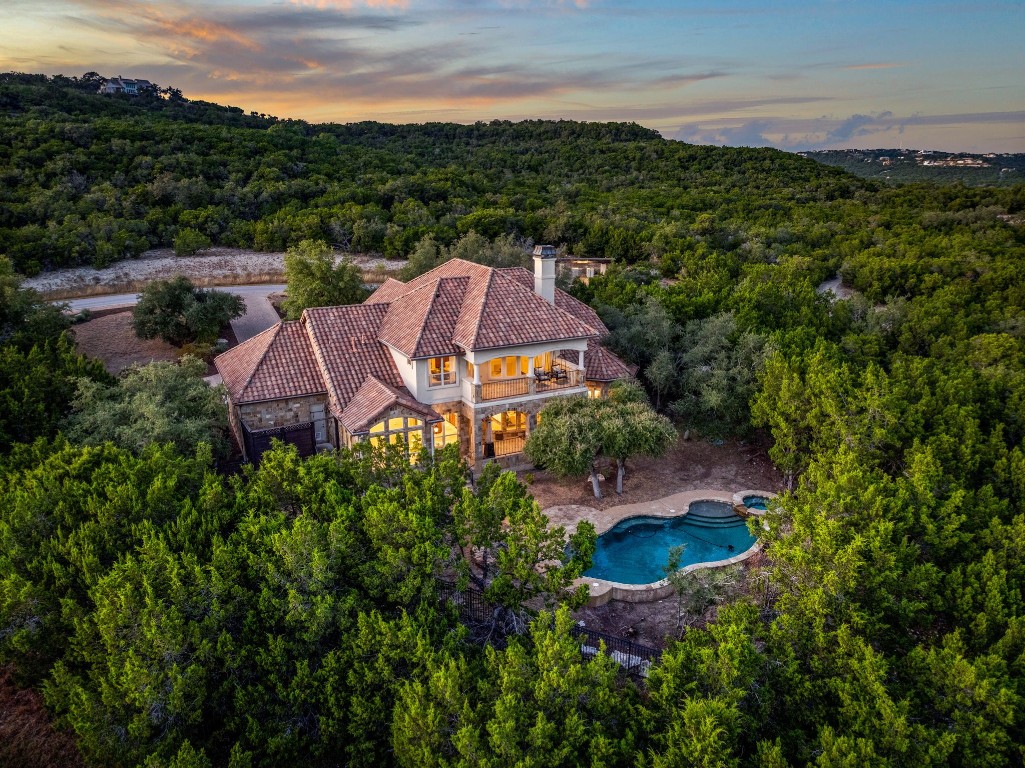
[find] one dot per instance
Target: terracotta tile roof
(513, 314)
(599, 363)
(387, 292)
(372, 399)
(498, 309)
(273, 365)
(344, 352)
(421, 323)
(346, 346)
(563, 300)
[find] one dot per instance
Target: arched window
(406, 428)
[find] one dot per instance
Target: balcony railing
(540, 382)
(508, 445)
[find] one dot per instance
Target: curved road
(259, 316)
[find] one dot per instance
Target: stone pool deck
(570, 515)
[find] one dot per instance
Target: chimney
(544, 272)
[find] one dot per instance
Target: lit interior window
(441, 371)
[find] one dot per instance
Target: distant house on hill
(464, 354)
(126, 85)
(583, 269)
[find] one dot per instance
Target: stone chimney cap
(545, 251)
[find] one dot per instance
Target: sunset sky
(796, 75)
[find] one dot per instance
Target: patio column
(580, 358)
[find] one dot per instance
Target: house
(126, 85)
(583, 269)
(463, 354)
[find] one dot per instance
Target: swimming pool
(636, 550)
(756, 502)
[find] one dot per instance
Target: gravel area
(212, 266)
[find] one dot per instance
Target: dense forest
(172, 616)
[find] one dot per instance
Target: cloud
(362, 52)
(795, 133)
(856, 125)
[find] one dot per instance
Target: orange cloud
(205, 31)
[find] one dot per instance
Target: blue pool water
(636, 550)
(755, 502)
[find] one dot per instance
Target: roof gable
(421, 323)
(275, 364)
(345, 343)
(492, 308)
(372, 399)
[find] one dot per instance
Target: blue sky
(794, 75)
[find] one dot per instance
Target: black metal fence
(475, 611)
(258, 441)
(632, 657)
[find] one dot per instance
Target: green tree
(538, 702)
(189, 241)
(573, 433)
(156, 403)
(37, 388)
(522, 558)
(178, 312)
(25, 318)
(717, 367)
(315, 280)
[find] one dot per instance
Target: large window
(446, 432)
(513, 367)
(391, 431)
(442, 371)
(509, 431)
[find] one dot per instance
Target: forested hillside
(90, 179)
(171, 616)
(912, 165)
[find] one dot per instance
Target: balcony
(540, 383)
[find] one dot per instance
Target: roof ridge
(483, 303)
(433, 285)
(274, 329)
(318, 353)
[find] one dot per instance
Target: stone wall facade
(282, 413)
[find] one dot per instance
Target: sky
(793, 75)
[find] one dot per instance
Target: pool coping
(602, 591)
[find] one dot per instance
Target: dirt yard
(110, 338)
(27, 733)
(691, 465)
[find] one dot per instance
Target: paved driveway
(259, 316)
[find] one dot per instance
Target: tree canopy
(291, 614)
(315, 280)
(573, 433)
(178, 312)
